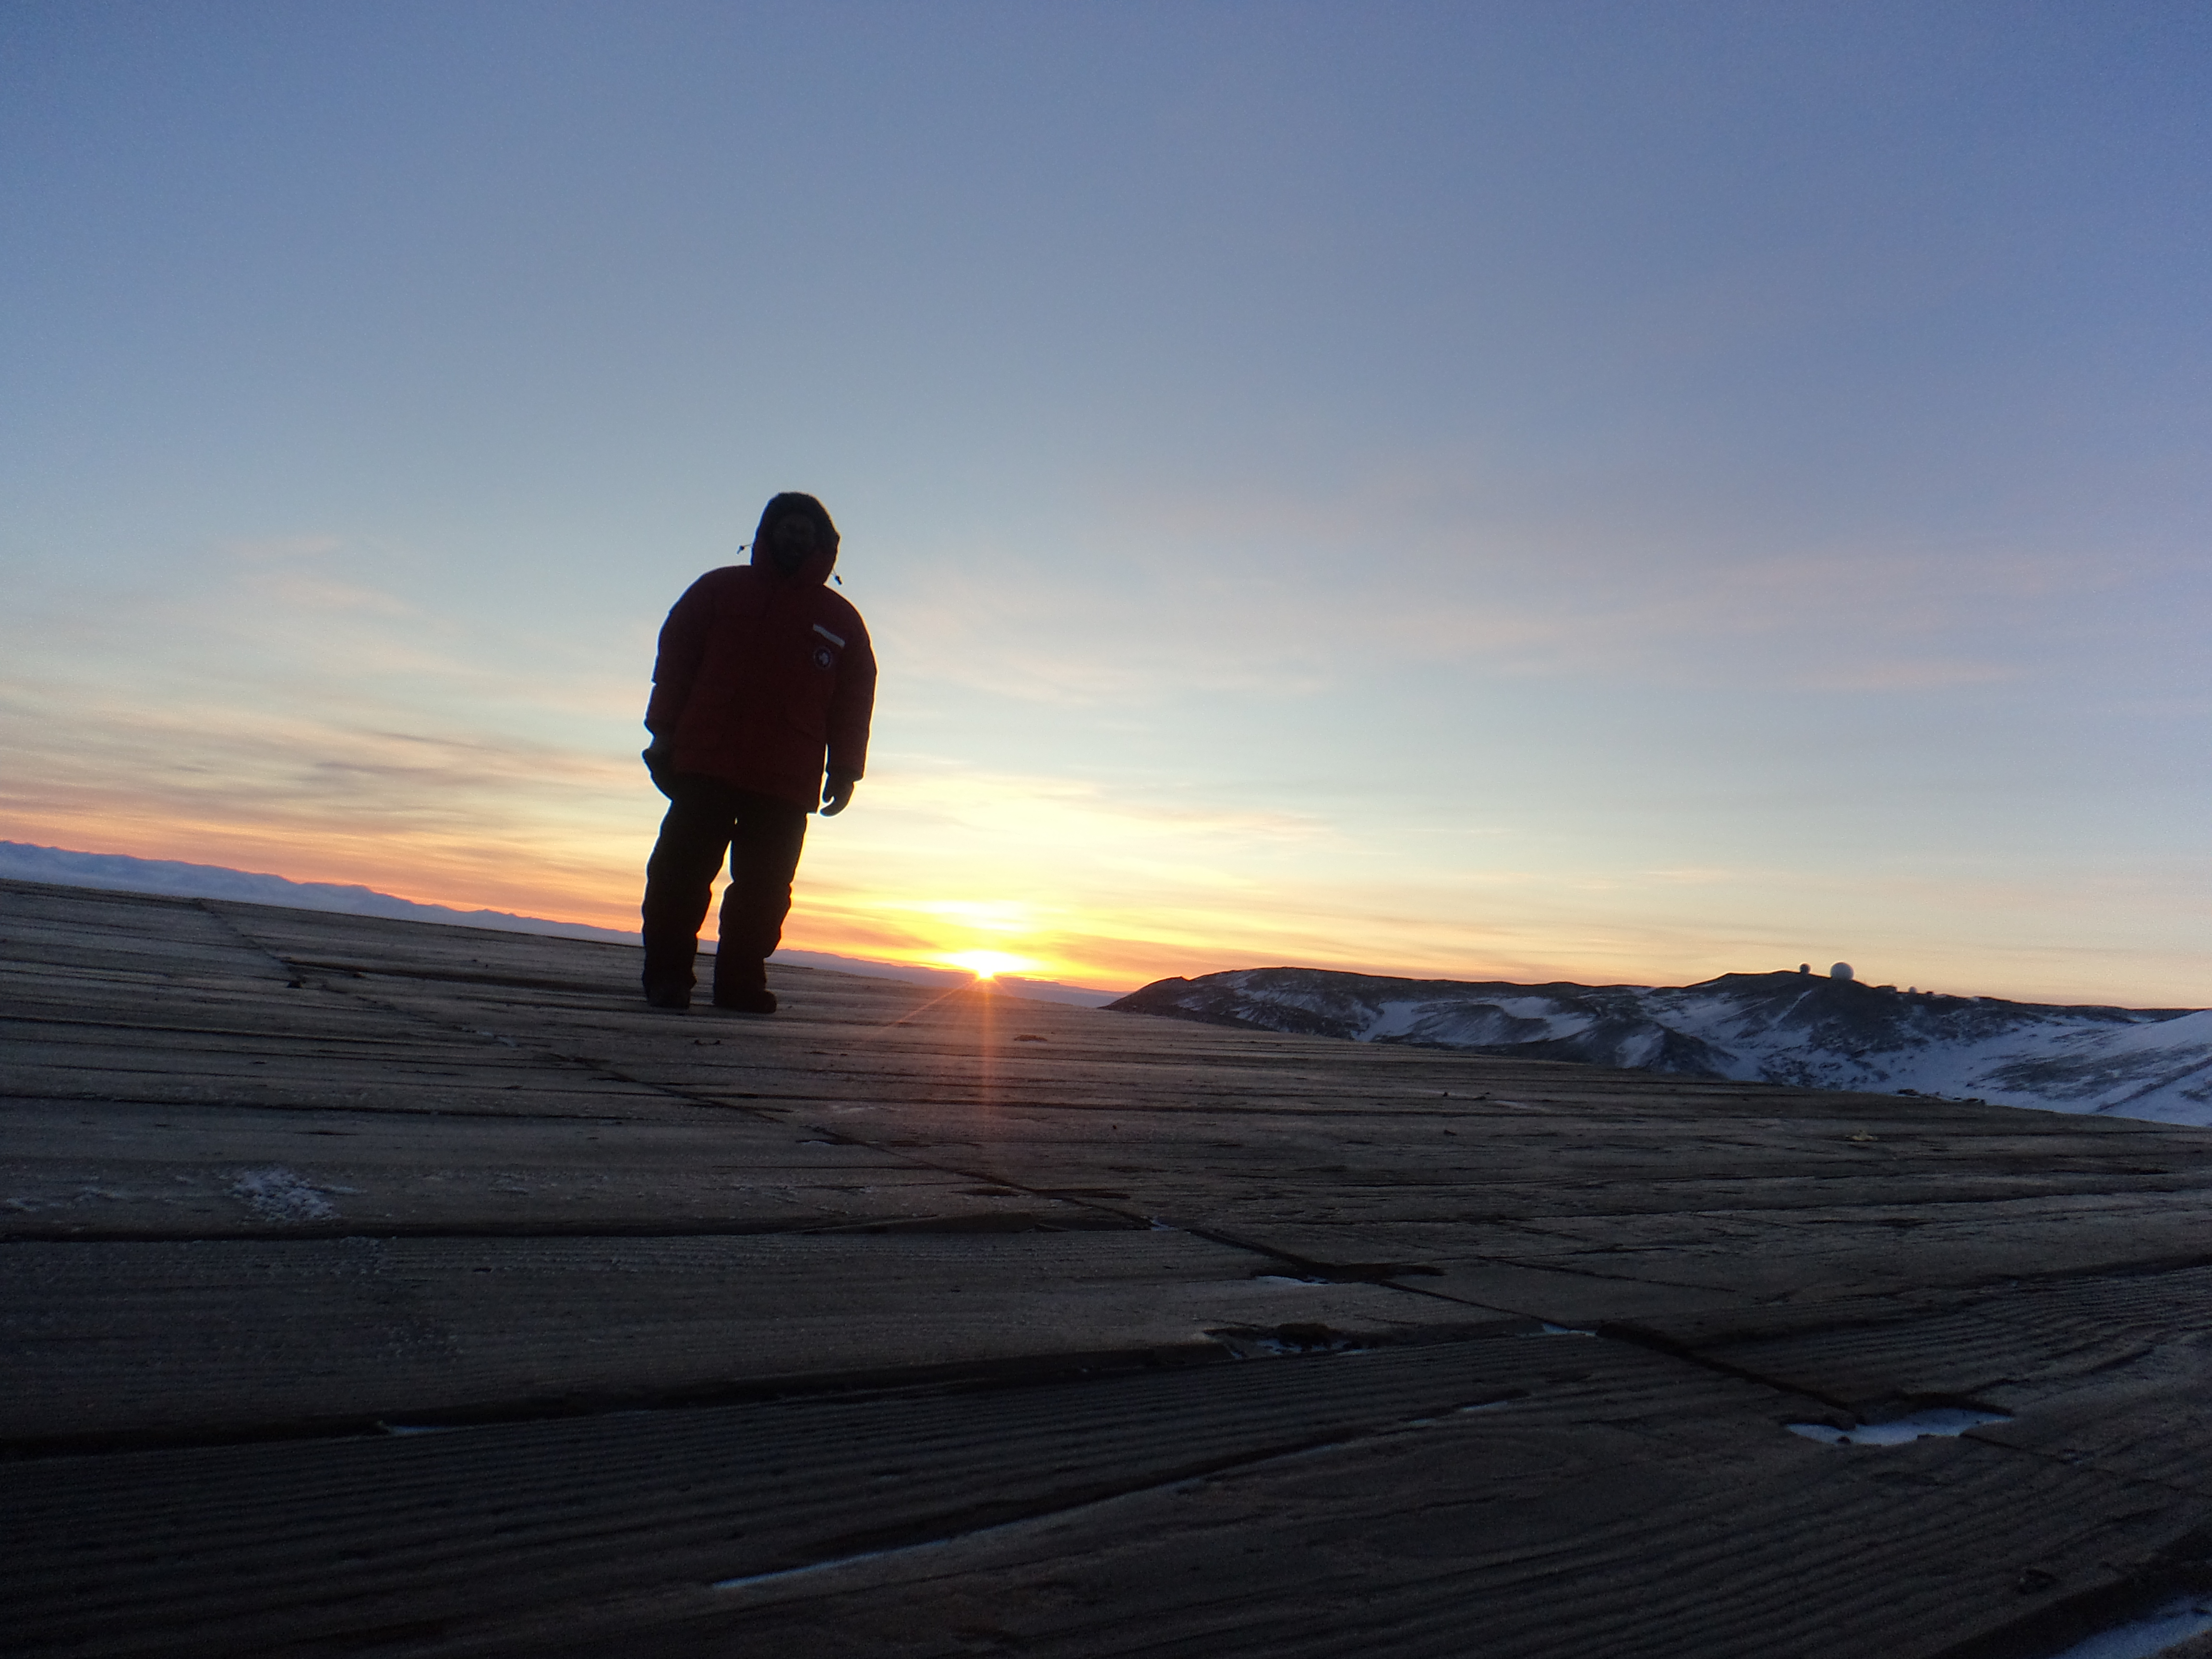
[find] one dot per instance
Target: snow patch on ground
(1939, 1421)
(277, 1194)
(2168, 1627)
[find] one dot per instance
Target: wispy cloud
(310, 705)
(1257, 596)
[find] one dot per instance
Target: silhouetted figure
(765, 675)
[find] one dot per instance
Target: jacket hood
(824, 559)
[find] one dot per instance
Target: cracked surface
(954, 1325)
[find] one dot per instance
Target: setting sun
(988, 964)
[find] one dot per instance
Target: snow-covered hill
(1796, 1027)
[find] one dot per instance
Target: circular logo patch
(824, 657)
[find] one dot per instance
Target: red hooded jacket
(763, 677)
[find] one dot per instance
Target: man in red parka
(764, 677)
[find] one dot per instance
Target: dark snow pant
(763, 836)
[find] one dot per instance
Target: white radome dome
(1841, 970)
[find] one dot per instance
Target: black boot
(668, 977)
(741, 985)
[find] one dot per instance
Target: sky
(1615, 492)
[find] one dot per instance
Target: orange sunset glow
(1492, 498)
(989, 964)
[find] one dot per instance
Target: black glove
(661, 766)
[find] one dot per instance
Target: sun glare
(988, 964)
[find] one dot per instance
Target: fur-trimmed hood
(820, 562)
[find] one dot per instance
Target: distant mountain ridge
(1792, 1028)
(22, 861)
